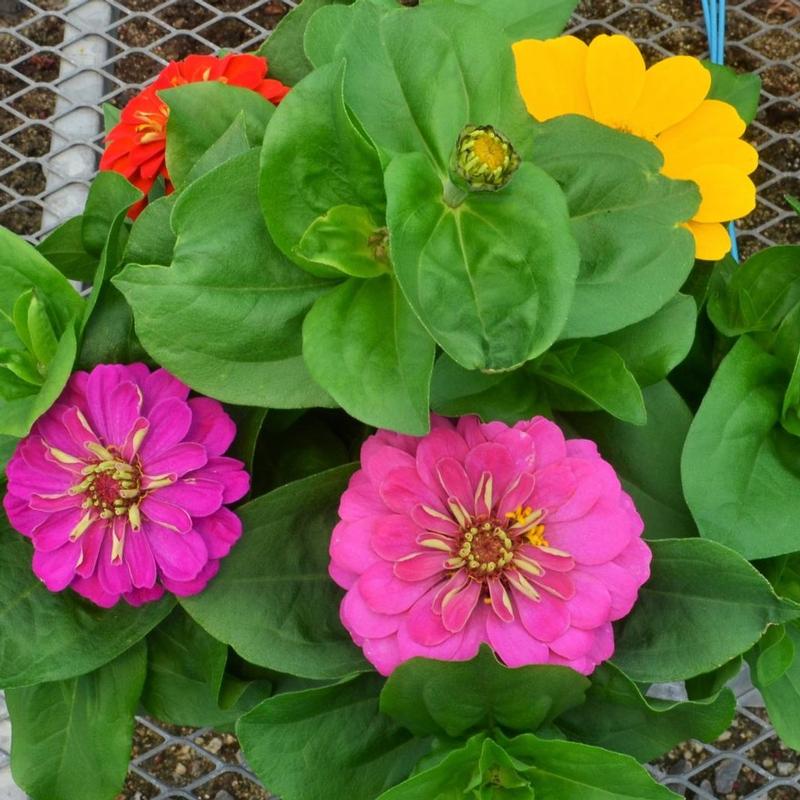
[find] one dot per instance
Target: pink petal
(360, 499)
(456, 582)
(90, 588)
(360, 619)
(138, 597)
(574, 643)
(548, 440)
(178, 460)
(220, 532)
(160, 385)
(502, 605)
(51, 428)
(557, 583)
(170, 421)
(196, 584)
(582, 448)
(591, 605)
(394, 537)
(99, 409)
(113, 575)
(22, 518)
(458, 606)
(350, 545)
(180, 556)
(552, 562)
(513, 644)
(378, 459)
(420, 566)
(55, 530)
(56, 568)
(196, 496)
(460, 646)
(402, 490)
(91, 543)
(517, 494)
(437, 445)
(471, 430)
(383, 654)
(546, 619)
(165, 514)
(230, 473)
(386, 593)
(211, 426)
(423, 625)
(139, 560)
(452, 478)
(80, 431)
(122, 411)
(496, 460)
(433, 520)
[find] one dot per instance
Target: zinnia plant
(411, 421)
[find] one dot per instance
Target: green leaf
(634, 255)
(364, 345)
(50, 637)
(313, 160)
(782, 695)
(522, 19)
(111, 115)
(776, 653)
(109, 196)
(64, 249)
(681, 624)
(284, 46)
(619, 717)
(652, 348)
(742, 90)
(324, 31)
(231, 143)
(756, 295)
(185, 674)
(648, 459)
(565, 770)
(504, 260)
(508, 397)
(7, 446)
(152, 240)
(740, 470)
(288, 732)
(347, 239)
(425, 696)
(710, 684)
(273, 600)
(72, 738)
(594, 376)
(187, 141)
(226, 320)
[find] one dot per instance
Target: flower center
(111, 487)
(487, 549)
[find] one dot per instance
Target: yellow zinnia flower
(666, 104)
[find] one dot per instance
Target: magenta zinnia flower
(484, 533)
(121, 485)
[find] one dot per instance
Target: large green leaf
(587, 375)
(72, 738)
(364, 345)
(65, 250)
(682, 625)
(741, 89)
(652, 348)
(273, 600)
(782, 695)
(283, 48)
(756, 295)
(34, 295)
(152, 240)
(110, 196)
(50, 637)
(328, 742)
(187, 140)
(634, 254)
(186, 681)
(505, 262)
(648, 459)
(522, 19)
(617, 716)
(426, 696)
(224, 319)
(740, 471)
(313, 160)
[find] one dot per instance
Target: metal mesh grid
(60, 59)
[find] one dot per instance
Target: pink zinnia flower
(121, 485)
(484, 533)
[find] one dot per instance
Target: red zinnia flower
(136, 146)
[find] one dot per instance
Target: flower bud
(485, 158)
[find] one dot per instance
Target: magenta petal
(378, 459)
(122, 411)
(350, 545)
(582, 448)
(452, 477)
(22, 518)
(178, 460)
(100, 412)
(91, 542)
(394, 536)
(56, 434)
(420, 566)
(139, 560)
(160, 385)
(360, 619)
(433, 520)
(423, 625)
(180, 556)
(91, 589)
(438, 444)
(386, 593)
(501, 602)
(360, 499)
(591, 605)
(169, 421)
(517, 494)
(497, 461)
(196, 584)
(56, 568)
(230, 473)
(165, 514)
(557, 583)
(220, 532)
(55, 530)
(211, 426)
(513, 644)
(196, 496)
(548, 440)
(458, 606)
(545, 619)
(574, 643)
(80, 430)
(113, 574)
(38, 458)
(383, 654)
(402, 490)
(138, 597)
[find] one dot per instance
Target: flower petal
(712, 241)
(220, 532)
(211, 426)
(615, 78)
(180, 556)
(457, 606)
(165, 514)
(386, 593)
(196, 496)
(513, 644)
(170, 420)
(177, 461)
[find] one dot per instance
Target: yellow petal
(710, 116)
(673, 89)
(680, 158)
(615, 73)
(551, 75)
(711, 240)
(727, 193)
